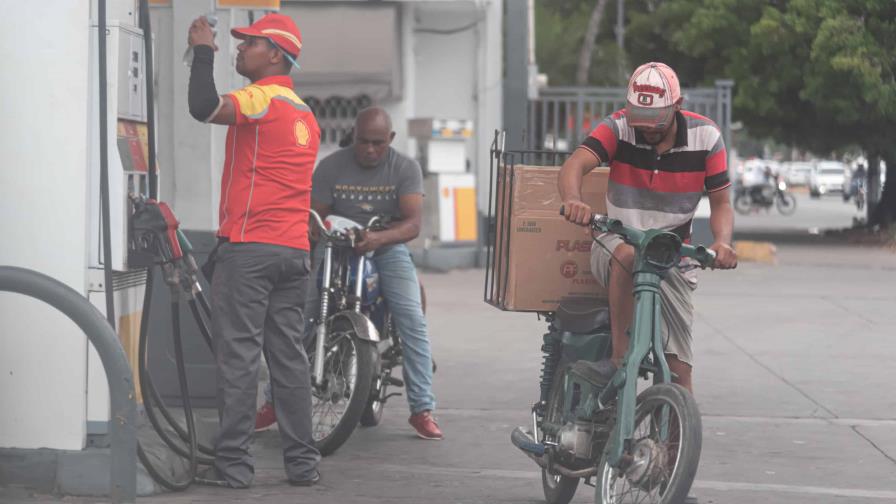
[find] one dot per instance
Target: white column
(490, 97)
(198, 149)
(43, 103)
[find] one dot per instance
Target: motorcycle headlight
(782, 185)
(663, 250)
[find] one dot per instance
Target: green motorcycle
(590, 422)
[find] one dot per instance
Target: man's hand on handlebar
(577, 212)
(368, 241)
(726, 257)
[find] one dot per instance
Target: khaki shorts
(676, 290)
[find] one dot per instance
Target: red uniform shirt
(266, 185)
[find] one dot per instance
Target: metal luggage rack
(493, 293)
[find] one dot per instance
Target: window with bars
(336, 115)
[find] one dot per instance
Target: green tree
(561, 30)
(816, 74)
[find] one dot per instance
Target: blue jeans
(400, 287)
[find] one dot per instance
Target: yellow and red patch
(303, 134)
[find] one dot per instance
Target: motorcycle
(748, 199)
(642, 448)
(354, 346)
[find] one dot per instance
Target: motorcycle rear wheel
(653, 480)
(557, 489)
(336, 409)
(785, 203)
(743, 204)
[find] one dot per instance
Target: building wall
(43, 355)
(457, 53)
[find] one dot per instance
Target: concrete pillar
(198, 149)
(489, 95)
(43, 355)
(516, 64)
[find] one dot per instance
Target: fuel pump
(132, 232)
(450, 207)
(156, 240)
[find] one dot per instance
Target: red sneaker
(425, 425)
(265, 418)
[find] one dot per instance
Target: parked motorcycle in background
(751, 199)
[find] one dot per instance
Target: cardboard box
(538, 258)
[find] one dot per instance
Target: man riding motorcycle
(367, 179)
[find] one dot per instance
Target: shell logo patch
(303, 134)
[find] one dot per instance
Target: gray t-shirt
(359, 193)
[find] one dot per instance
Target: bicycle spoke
(330, 404)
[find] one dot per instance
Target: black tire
(327, 439)
(785, 203)
(675, 486)
(557, 489)
(742, 203)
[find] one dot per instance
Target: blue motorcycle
(354, 346)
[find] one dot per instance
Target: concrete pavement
(794, 379)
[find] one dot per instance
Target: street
(826, 212)
(793, 378)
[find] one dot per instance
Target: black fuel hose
(203, 326)
(184, 388)
(153, 400)
(146, 26)
(151, 396)
(104, 167)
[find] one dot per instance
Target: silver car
(799, 173)
(827, 178)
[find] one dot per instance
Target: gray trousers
(258, 294)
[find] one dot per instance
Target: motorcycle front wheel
(786, 203)
(742, 203)
(338, 402)
(663, 466)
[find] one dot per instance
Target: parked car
(798, 173)
(827, 178)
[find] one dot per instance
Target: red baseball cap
(653, 92)
(279, 28)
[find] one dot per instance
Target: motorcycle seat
(581, 315)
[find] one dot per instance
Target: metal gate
(561, 117)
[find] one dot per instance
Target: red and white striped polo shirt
(647, 190)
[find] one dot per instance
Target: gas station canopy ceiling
(348, 50)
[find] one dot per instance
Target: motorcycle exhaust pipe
(536, 451)
(524, 441)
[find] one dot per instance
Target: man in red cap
(261, 265)
(662, 159)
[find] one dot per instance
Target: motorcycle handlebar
(319, 222)
(375, 222)
(700, 253)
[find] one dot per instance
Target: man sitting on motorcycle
(764, 192)
(366, 179)
(661, 159)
